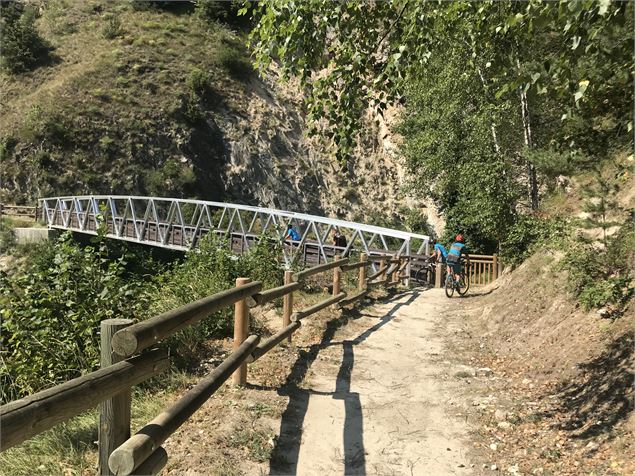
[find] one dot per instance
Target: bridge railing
(121, 454)
(180, 224)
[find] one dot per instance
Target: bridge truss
(180, 224)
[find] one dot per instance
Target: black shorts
(455, 266)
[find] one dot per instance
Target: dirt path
(377, 398)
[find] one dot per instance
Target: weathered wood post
(114, 414)
(241, 329)
(337, 280)
(361, 285)
(495, 265)
(395, 273)
(382, 269)
(287, 302)
(438, 274)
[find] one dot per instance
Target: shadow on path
(284, 458)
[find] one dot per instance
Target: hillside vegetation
(160, 98)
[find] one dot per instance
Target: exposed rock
(500, 415)
(484, 372)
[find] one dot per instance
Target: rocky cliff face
(272, 162)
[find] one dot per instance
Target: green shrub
(7, 239)
(51, 314)
(197, 81)
(211, 11)
(529, 232)
(417, 222)
(208, 269)
(600, 277)
(612, 290)
(22, 46)
(112, 29)
(171, 179)
(45, 125)
(232, 58)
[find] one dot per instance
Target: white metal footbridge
(180, 224)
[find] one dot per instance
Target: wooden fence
(481, 270)
(121, 340)
(19, 211)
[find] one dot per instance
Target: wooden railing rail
(264, 347)
(137, 337)
(27, 417)
(275, 293)
(353, 266)
(142, 453)
(20, 211)
(146, 441)
(296, 316)
(301, 275)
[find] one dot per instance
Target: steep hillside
(561, 399)
(159, 101)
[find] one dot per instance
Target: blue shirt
(293, 234)
(456, 249)
(442, 249)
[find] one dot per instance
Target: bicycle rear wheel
(449, 284)
(464, 284)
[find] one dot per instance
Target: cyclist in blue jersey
(291, 234)
(457, 250)
(439, 253)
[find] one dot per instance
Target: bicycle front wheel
(421, 276)
(449, 285)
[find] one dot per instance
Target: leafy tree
(600, 201)
(351, 55)
(452, 155)
(22, 46)
(51, 314)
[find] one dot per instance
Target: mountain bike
(425, 273)
(462, 285)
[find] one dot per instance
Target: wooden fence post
(495, 265)
(438, 274)
(361, 285)
(337, 279)
(287, 302)
(395, 273)
(241, 329)
(114, 414)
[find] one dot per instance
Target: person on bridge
(439, 252)
(291, 234)
(339, 239)
(457, 250)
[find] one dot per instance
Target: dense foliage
(208, 269)
(22, 46)
(354, 54)
(51, 311)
